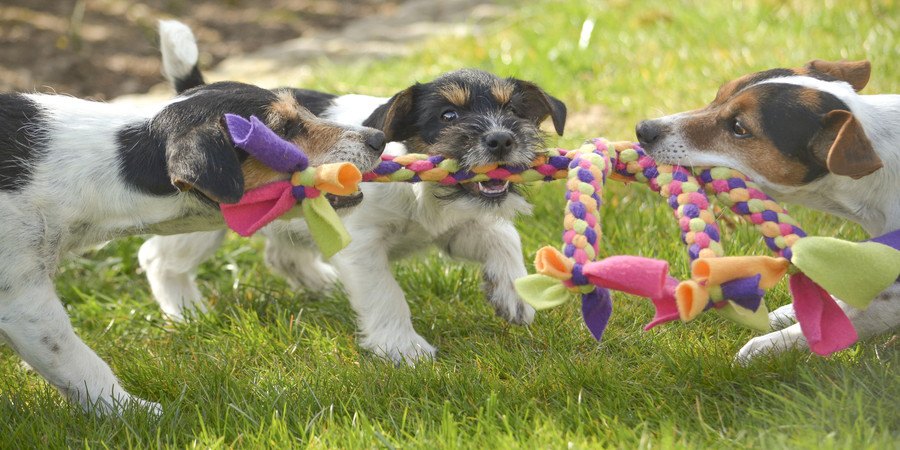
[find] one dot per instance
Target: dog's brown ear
(394, 118)
(843, 146)
(537, 105)
(205, 159)
(856, 73)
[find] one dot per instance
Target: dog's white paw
(516, 313)
(408, 348)
(509, 306)
(319, 277)
(783, 317)
(773, 343)
(116, 405)
(151, 407)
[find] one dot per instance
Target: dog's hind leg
(35, 324)
(171, 262)
(497, 246)
(294, 256)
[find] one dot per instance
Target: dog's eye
(738, 129)
(449, 115)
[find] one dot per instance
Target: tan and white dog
(806, 136)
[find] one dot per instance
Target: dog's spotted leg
(496, 245)
(35, 324)
(385, 323)
(171, 262)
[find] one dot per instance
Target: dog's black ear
(856, 73)
(395, 118)
(843, 147)
(537, 105)
(205, 159)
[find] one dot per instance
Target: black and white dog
(469, 115)
(76, 173)
(806, 136)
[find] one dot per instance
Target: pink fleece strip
(258, 207)
(634, 275)
(826, 328)
(666, 307)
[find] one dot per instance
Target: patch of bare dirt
(106, 48)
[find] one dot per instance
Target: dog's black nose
(375, 142)
(499, 142)
(648, 131)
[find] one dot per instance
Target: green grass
(275, 368)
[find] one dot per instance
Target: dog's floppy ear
(394, 118)
(537, 105)
(856, 73)
(843, 146)
(205, 159)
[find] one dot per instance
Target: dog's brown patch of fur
(318, 138)
(810, 98)
(455, 93)
(257, 174)
(502, 90)
(284, 110)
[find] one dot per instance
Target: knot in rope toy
(732, 286)
(260, 206)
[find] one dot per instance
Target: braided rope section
(415, 167)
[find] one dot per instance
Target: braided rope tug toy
(732, 286)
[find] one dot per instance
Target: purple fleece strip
(891, 239)
(744, 291)
(596, 308)
(266, 146)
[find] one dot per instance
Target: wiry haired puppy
(469, 115)
(476, 118)
(806, 136)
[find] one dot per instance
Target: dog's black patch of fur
(791, 124)
(192, 80)
(22, 140)
(143, 160)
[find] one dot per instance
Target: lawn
(271, 367)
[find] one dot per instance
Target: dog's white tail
(179, 55)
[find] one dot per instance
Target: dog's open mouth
(488, 189)
(344, 201)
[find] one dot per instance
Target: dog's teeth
(493, 189)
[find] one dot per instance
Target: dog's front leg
(382, 312)
(35, 324)
(497, 246)
(882, 315)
